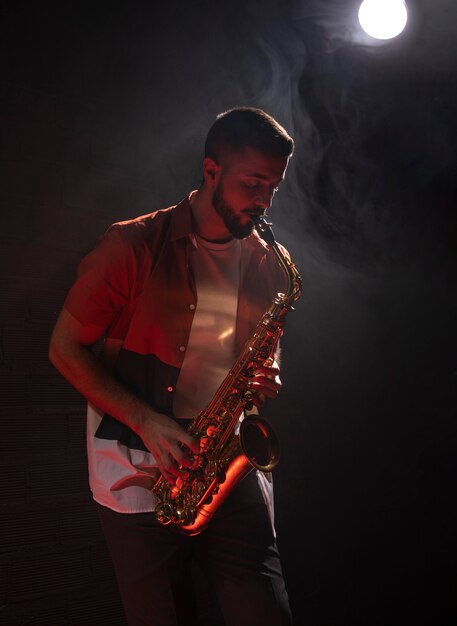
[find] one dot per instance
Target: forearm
(82, 369)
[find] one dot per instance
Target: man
(176, 294)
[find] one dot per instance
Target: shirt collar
(182, 220)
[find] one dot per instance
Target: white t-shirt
(210, 352)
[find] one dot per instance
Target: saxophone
(229, 450)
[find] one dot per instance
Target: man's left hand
(265, 382)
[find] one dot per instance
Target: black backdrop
(104, 113)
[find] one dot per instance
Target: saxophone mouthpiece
(263, 228)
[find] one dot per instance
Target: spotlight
(383, 19)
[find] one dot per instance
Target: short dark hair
(243, 127)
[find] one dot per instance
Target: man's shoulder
(173, 222)
(144, 227)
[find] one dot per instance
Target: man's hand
(170, 444)
(266, 382)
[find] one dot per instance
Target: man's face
(248, 180)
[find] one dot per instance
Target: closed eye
(251, 184)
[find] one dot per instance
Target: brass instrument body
(230, 449)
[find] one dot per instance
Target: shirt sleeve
(104, 281)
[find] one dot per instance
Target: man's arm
(70, 352)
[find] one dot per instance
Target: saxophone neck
(294, 282)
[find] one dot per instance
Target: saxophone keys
(165, 513)
(205, 444)
(179, 484)
(211, 470)
(213, 430)
(198, 488)
(185, 516)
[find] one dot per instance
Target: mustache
(255, 211)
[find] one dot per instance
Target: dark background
(104, 110)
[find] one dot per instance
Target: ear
(211, 171)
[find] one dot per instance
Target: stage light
(383, 19)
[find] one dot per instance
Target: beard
(232, 221)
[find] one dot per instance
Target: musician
(176, 294)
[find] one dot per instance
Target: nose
(262, 203)
(265, 198)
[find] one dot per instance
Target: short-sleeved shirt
(138, 284)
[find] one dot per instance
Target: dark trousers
(237, 554)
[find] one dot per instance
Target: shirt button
(182, 348)
(191, 307)
(169, 388)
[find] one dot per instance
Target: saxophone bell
(259, 443)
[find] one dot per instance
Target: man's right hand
(170, 444)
